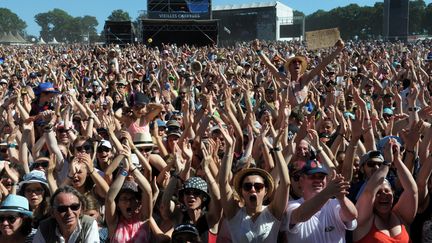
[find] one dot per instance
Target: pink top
(135, 128)
(129, 231)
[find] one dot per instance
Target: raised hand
(338, 187)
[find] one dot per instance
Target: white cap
(105, 143)
(3, 81)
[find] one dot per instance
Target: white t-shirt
(264, 229)
(325, 226)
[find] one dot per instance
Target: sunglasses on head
(84, 148)
(192, 192)
(247, 186)
(65, 208)
(103, 149)
(9, 218)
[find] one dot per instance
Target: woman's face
(253, 190)
(80, 176)
(192, 198)
(94, 214)
(128, 205)
(10, 223)
(34, 193)
(384, 199)
(139, 110)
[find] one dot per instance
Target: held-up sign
(322, 38)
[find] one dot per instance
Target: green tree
(9, 21)
(60, 25)
(416, 13)
(427, 19)
(119, 15)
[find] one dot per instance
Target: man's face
(67, 209)
(313, 184)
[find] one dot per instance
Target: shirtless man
(297, 80)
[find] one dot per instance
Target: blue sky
(101, 9)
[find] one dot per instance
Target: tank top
(130, 231)
(375, 235)
(135, 128)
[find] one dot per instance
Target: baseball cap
(373, 155)
(313, 166)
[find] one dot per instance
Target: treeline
(367, 22)
(59, 24)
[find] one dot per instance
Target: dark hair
(70, 190)
(26, 226)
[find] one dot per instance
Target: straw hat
(302, 59)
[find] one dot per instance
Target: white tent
(54, 42)
(20, 38)
(41, 41)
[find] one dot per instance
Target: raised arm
(406, 207)
(280, 200)
(229, 205)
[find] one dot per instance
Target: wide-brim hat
(17, 204)
(302, 59)
(143, 140)
(268, 179)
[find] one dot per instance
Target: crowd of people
(259, 142)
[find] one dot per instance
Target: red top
(375, 235)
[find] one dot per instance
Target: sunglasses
(62, 130)
(317, 176)
(145, 150)
(372, 164)
(41, 164)
(65, 208)
(192, 192)
(85, 148)
(103, 149)
(248, 186)
(38, 191)
(9, 218)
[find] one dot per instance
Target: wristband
(409, 151)
(319, 150)
(258, 52)
(124, 173)
(415, 108)
(386, 163)
(11, 145)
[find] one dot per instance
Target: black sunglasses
(9, 218)
(372, 164)
(65, 208)
(85, 148)
(41, 164)
(248, 186)
(103, 149)
(193, 192)
(145, 149)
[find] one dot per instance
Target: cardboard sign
(322, 38)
